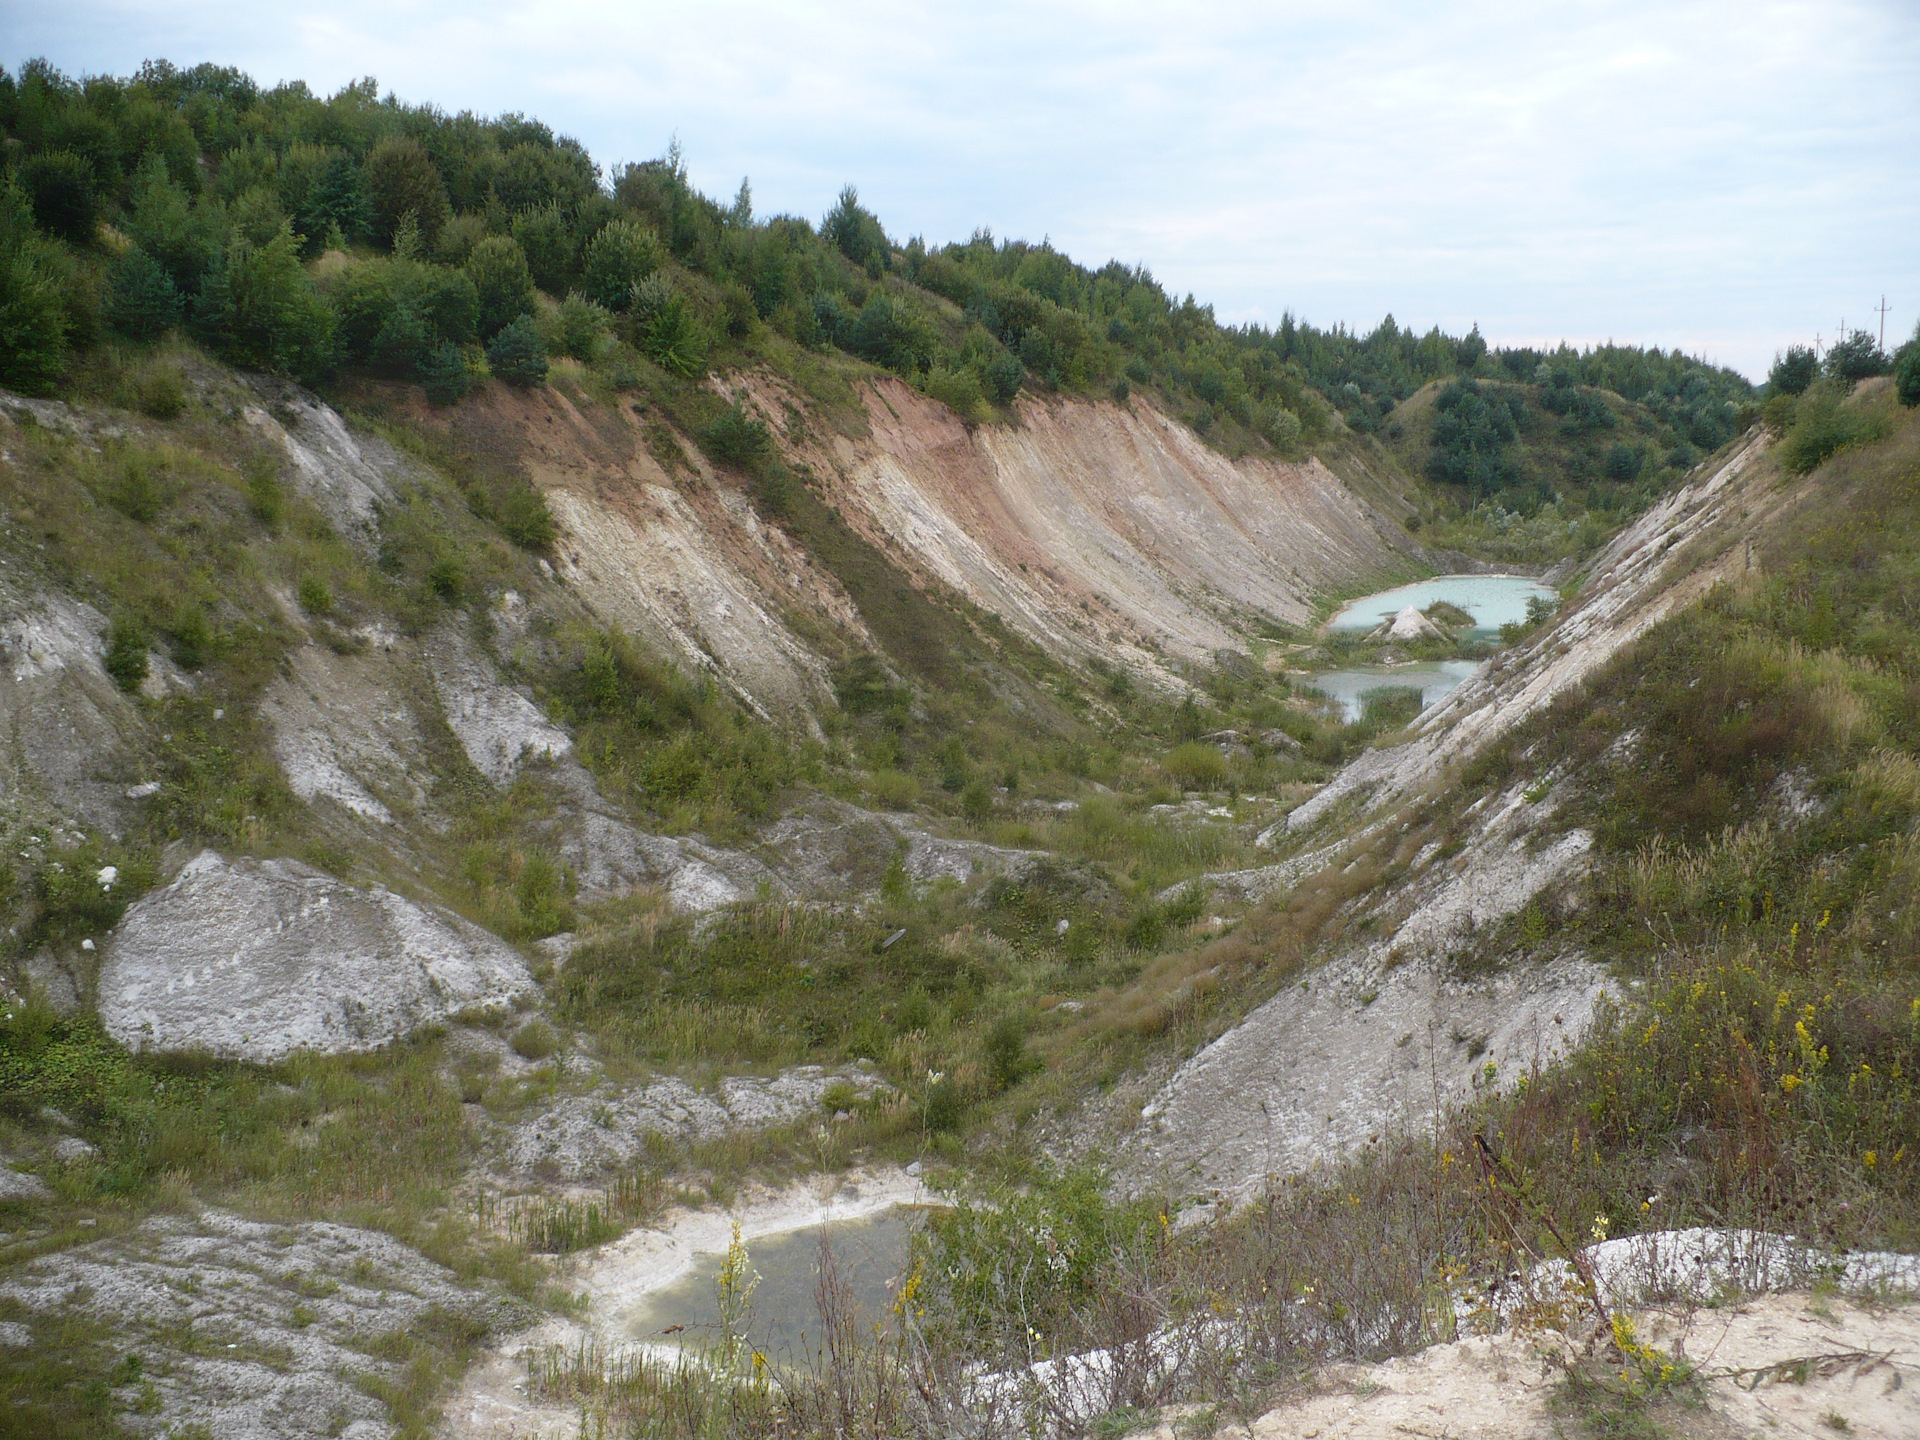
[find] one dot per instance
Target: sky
(1728, 178)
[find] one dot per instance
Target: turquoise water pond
(1435, 680)
(1492, 600)
(870, 1254)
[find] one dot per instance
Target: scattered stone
(72, 1150)
(256, 959)
(15, 1185)
(583, 1136)
(257, 1331)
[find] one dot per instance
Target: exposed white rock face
(345, 475)
(63, 724)
(586, 1135)
(17, 1185)
(256, 959)
(1354, 1048)
(1409, 624)
(255, 1331)
(341, 732)
(499, 728)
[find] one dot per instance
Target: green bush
(736, 438)
(394, 314)
(623, 254)
(666, 329)
(315, 597)
(33, 315)
(546, 236)
(1623, 462)
(1822, 426)
(518, 355)
(1856, 358)
(401, 180)
(1793, 371)
(60, 186)
(959, 390)
(577, 327)
(1196, 765)
(503, 284)
(143, 302)
(1004, 376)
(126, 657)
(261, 309)
(1906, 372)
(445, 374)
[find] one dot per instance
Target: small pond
(870, 1253)
(1434, 679)
(1492, 600)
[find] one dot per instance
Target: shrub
(1793, 371)
(624, 253)
(126, 655)
(1004, 375)
(546, 236)
(1822, 426)
(1906, 372)
(503, 284)
(1195, 765)
(959, 390)
(315, 598)
(671, 336)
(33, 320)
(143, 302)
(394, 313)
(577, 326)
(1623, 462)
(518, 355)
(736, 438)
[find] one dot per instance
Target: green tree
(60, 186)
(33, 315)
(445, 375)
(854, 230)
(1004, 374)
(143, 303)
(337, 205)
(552, 249)
(260, 308)
(126, 655)
(1793, 371)
(518, 355)
(624, 253)
(1856, 358)
(502, 282)
(1906, 370)
(401, 179)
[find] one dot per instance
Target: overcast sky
(1726, 177)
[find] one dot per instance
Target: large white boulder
(256, 959)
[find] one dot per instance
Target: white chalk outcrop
(256, 1331)
(257, 959)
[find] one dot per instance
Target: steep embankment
(1432, 990)
(1106, 530)
(1094, 530)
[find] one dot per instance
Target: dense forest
(357, 233)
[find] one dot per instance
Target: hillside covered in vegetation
(540, 704)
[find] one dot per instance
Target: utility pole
(1882, 308)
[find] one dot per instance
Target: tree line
(311, 235)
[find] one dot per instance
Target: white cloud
(1724, 176)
